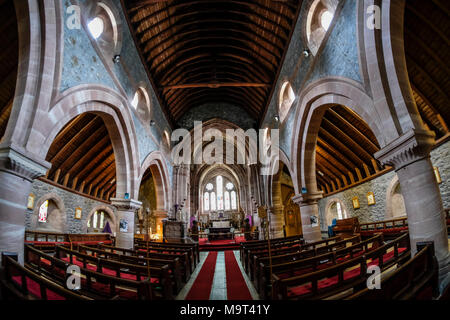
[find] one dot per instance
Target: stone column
(17, 172)
(160, 215)
(410, 156)
(309, 211)
(276, 221)
(126, 210)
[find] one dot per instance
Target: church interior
(224, 150)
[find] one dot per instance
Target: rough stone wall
(71, 201)
(338, 58)
(440, 157)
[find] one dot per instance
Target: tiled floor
(219, 286)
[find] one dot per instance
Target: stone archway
(106, 209)
(395, 204)
(331, 210)
(56, 218)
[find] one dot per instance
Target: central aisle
(219, 276)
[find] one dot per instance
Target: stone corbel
(306, 199)
(19, 164)
(126, 204)
(412, 146)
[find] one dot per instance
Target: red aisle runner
(201, 289)
(236, 287)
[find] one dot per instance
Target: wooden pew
(161, 281)
(194, 246)
(346, 227)
(184, 257)
(20, 283)
(341, 279)
(313, 260)
(416, 279)
(171, 250)
(173, 264)
(94, 284)
(390, 228)
(261, 261)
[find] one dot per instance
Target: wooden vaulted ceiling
(427, 50)
(82, 158)
(199, 51)
(344, 150)
(9, 57)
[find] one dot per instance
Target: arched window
(206, 201)
(287, 97)
(219, 187)
(318, 20)
(227, 200)
(96, 27)
(141, 103)
(233, 200)
(213, 201)
(43, 211)
(97, 221)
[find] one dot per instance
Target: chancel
(224, 150)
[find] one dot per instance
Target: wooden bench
(390, 228)
(47, 241)
(96, 285)
(173, 264)
(416, 279)
(125, 253)
(160, 278)
(341, 279)
(20, 283)
(346, 227)
(193, 246)
(318, 247)
(312, 260)
(173, 251)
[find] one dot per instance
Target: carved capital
(412, 146)
(126, 204)
(306, 199)
(19, 164)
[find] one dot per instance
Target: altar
(220, 229)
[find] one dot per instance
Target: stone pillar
(276, 222)
(410, 156)
(17, 172)
(160, 215)
(309, 211)
(126, 210)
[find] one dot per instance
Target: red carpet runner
(201, 289)
(236, 287)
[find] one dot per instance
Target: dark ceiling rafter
(214, 45)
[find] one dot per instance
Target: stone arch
(108, 210)
(394, 200)
(155, 162)
(315, 99)
(114, 112)
(60, 225)
(327, 212)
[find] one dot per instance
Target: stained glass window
(229, 186)
(233, 200)
(43, 211)
(94, 222)
(102, 218)
(213, 201)
(209, 186)
(227, 200)
(206, 200)
(219, 187)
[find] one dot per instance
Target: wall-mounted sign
(30, 203)
(127, 196)
(314, 221)
(123, 225)
(355, 202)
(370, 198)
(78, 212)
(437, 174)
(304, 190)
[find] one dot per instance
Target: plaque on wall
(78, 213)
(123, 225)
(30, 203)
(370, 198)
(314, 221)
(355, 202)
